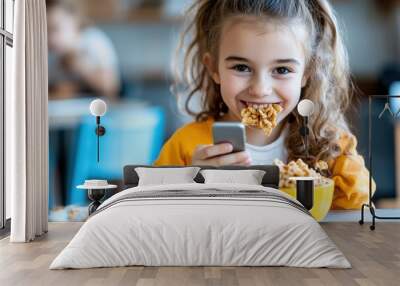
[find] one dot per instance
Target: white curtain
(27, 124)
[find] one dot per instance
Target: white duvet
(200, 231)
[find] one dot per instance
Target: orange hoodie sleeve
(171, 154)
(180, 147)
(350, 175)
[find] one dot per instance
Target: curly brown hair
(328, 85)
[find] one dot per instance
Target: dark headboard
(270, 179)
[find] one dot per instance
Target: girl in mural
(244, 54)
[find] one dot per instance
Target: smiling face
(259, 63)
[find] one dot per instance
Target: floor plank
(374, 255)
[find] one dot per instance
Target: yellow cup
(323, 195)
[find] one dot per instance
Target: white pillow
(163, 176)
(249, 177)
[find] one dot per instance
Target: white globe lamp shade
(98, 107)
(305, 107)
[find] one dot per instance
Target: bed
(201, 224)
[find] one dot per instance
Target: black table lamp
(98, 108)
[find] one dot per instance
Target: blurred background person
(82, 60)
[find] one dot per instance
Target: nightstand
(95, 194)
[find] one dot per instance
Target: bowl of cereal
(323, 187)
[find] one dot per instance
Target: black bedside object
(95, 194)
(305, 191)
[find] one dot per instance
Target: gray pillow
(248, 177)
(163, 176)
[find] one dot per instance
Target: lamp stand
(304, 131)
(100, 131)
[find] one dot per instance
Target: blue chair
(133, 136)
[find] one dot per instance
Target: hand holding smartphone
(228, 148)
(230, 132)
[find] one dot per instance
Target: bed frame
(270, 179)
(131, 179)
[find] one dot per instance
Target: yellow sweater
(348, 170)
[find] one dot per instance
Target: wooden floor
(374, 255)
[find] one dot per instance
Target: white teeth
(263, 105)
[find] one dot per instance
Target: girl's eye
(241, 68)
(282, 70)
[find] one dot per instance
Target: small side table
(95, 194)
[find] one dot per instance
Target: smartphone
(230, 132)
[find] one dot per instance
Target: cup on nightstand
(305, 191)
(96, 191)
